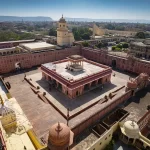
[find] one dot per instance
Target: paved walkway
(42, 115)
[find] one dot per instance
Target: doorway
(113, 63)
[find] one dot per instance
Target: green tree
(86, 36)
(81, 33)
(99, 45)
(85, 44)
(52, 32)
(11, 35)
(125, 45)
(113, 48)
(117, 49)
(140, 35)
(77, 36)
(30, 28)
(119, 46)
(110, 26)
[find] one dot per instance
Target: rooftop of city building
(37, 46)
(88, 70)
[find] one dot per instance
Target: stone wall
(144, 120)
(95, 117)
(122, 63)
(28, 60)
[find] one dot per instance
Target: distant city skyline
(94, 9)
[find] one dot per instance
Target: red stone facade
(75, 88)
(28, 60)
(144, 120)
(125, 64)
(95, 117)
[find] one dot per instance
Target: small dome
(5, 111)
(62, 20)
(59, 134)
(75, 57)
(131, 129)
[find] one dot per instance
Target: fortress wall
(100, 114)
(124, 64)
(28, 60)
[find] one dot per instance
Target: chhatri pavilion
(76, 75)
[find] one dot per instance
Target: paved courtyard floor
(42, 115)
(137, 106)
(77, 104)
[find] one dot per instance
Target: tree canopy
(85, 44)
(140, 35)
(81, 33)
(125, 45)
(102, 44)
(52, 32)
(11, 35)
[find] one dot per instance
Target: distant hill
(15, 18)
(107, 20)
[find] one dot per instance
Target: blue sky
(96, 9)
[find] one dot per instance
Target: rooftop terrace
(37, 46)
(88, 70)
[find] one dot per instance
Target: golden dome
(59, 134)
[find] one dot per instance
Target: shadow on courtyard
(85, 99)
(22, 72)
(131, 74)
(140, 96)
(119, 145)
(75, 73)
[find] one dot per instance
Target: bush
(113, 48)
(117, 49)
(125, 45)
(99, 45)
(85, 44)
(119, 46)
(140, 35)
(85, 36)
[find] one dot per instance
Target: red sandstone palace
(82, 71)
(76, 75)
